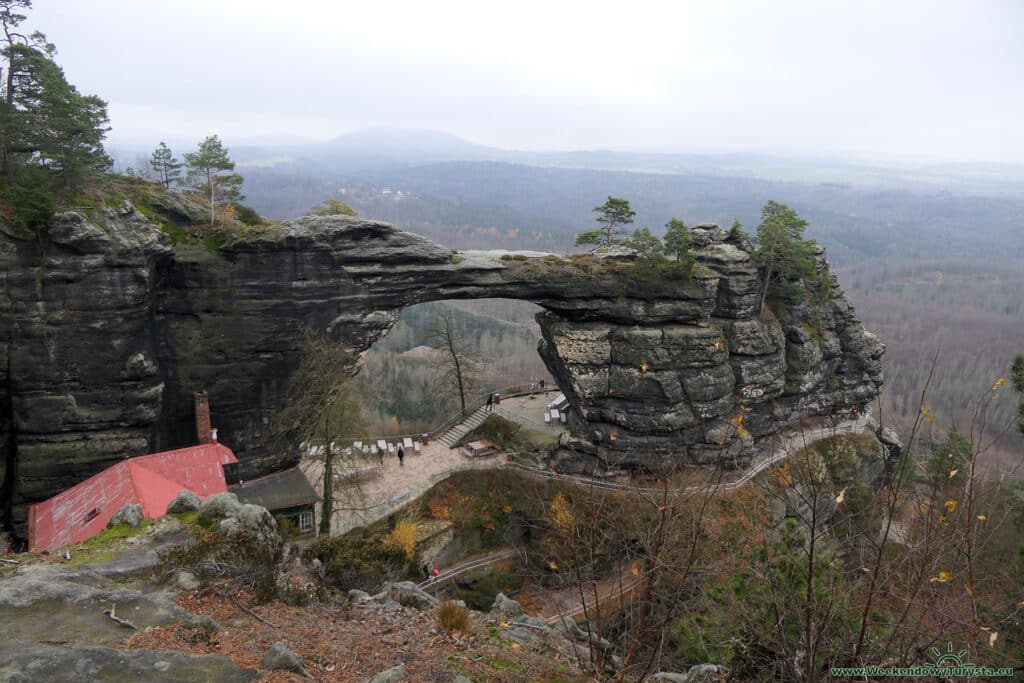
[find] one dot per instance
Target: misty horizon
(871, 81)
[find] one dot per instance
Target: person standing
(490, 401)
(401, 456)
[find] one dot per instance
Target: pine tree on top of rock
(165, 166)
(209, 173)
(782, 253)
(613, 215)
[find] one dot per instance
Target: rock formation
(107, 330)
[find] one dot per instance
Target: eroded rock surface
(107, 331)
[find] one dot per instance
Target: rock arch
(104, 350)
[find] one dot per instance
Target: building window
(305, 522)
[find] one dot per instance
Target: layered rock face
(107, 331)
(705, 389)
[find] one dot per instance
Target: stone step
(456, 432)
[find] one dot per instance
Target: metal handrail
(476, 403)
(472, 406)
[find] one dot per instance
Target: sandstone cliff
(107, 330)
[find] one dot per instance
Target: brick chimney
(203, 431)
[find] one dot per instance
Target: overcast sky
(889, 79)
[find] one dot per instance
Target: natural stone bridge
(107, 331)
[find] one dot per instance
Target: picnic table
(480, 449)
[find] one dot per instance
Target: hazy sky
(888, 79)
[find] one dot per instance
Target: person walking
(401, 456)
(490, 401)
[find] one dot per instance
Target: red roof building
(154, 480)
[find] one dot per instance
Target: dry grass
(451, 617)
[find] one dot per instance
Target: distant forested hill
(491, 205)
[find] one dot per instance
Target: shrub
(360, 560)
(403, 537)
(452, 617)
(247, 215)
(286, 526)
(249, 563)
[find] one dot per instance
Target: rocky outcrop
(107, 331)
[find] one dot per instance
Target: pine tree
(209, 173)
(781, 252)
(678, 243)
(612, 215)
(647, 245)
(166, 167)
(44, 120)
(333, 207)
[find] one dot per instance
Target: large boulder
(409, 594)
(254, 522)
(219, 506)
(701, 673)
(130, 514)
(186, 501)
(506, 606)
(279, 657)
(392, 675)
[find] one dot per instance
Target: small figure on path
(426, 571)
(436, 572)
(401, 456)
(490, 401)
(542, 385)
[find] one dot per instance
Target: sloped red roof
(83, 510)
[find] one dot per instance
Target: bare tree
(457, 366)
(322, 407)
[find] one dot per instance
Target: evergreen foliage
(612, 215)
(334, 207)
(647, 245)
(737, 236)
(165, 166)
(782, 253)
(45, 123)
(678, 243)
(210, 174)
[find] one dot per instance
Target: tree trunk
(209, 185)
(327, 504)
(458, 370)
(764, 285)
